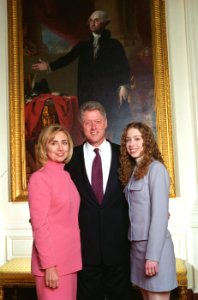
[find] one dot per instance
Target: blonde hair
(150, 152)
(46, 135)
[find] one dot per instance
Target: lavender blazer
(148, 201)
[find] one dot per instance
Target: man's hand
(41, 66)
(123, 94)
(51, 277)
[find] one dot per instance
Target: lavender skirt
(165, 280)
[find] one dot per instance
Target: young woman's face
(57, 149)
(134, 142)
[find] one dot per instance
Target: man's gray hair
(92, 105)
(100, 14)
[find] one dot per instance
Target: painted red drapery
(66, 108)
(67, 19)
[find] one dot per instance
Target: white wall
(15, 232)
(182, 32)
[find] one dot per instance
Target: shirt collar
(96, 35)
(89, 148)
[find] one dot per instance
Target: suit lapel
(83, 178)
(112, 173)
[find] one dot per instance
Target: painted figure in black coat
(103, 72)
(103, 226)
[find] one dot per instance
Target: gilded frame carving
(16, 96)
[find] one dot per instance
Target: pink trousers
(66, 289)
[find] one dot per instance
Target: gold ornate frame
(16, 95)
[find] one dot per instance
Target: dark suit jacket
(103, 227)
(98, 79)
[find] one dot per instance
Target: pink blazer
(54, 204)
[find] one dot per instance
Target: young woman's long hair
(150, 152)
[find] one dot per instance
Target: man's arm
(60, 62)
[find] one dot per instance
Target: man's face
(96, 24)
(94, 125)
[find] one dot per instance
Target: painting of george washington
(51, 30)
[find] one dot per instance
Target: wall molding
(16, 225)
(18, 246)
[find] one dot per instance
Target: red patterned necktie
(97, 177)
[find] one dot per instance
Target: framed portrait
(47, 30)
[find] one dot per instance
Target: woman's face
(57, 149)
(134, 142)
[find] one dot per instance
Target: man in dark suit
(103, 225)
(103, 71)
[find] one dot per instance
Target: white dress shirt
(96, 45)
(105, 153)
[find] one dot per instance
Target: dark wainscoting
(30, 294)
(192, 296)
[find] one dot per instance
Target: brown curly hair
(150, 152)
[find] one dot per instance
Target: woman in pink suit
(54, 204)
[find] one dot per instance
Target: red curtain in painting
(67, 19)
(143, 20)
